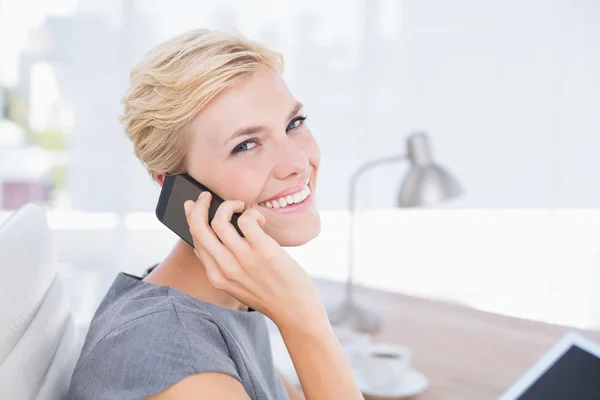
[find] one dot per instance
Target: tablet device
(570, 370)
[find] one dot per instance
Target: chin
(297, 234)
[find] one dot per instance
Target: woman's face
(251, 144)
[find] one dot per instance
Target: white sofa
(39, 342)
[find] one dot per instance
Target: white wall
(508, 91)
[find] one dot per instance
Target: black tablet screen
(574, 376)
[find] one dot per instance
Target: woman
(215, 106)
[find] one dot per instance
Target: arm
(319, 360)
(205, 386)
(292, 392)
(219, 386)
(255, 270)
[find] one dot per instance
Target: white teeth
(284, 201)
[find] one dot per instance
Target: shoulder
(143, 352)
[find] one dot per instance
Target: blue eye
(244, 146)
(296, 122)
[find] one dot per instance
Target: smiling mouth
(288, 200)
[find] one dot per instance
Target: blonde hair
(175, 81)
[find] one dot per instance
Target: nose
(290, 160)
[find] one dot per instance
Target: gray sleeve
(148, 355)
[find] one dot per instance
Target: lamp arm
(352, 208)
(362, 169)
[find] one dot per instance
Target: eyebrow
(252, 130)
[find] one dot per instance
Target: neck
(183, 271)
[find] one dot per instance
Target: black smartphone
(176, 190)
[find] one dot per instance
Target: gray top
(145, 338)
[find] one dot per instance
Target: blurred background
(508, 92)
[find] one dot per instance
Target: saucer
(414, 383)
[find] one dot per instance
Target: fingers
(203, 235)
(250, 223)
(213, 272)
(223, 246)
(225, 230)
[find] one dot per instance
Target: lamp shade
(426, 183)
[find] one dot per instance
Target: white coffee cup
(383, 366)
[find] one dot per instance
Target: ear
(159, 177)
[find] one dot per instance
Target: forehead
(262, 99)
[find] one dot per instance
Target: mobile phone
(176, 190)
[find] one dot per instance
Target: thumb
(187, 206)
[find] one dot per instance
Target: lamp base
(353, 316)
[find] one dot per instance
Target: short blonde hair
(175, 81)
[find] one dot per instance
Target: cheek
(244, 184)
(248, 190)
(313, 152)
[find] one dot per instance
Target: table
(466, 353)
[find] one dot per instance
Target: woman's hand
(254, 269)
(258, 272)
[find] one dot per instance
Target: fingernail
(187, 206)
